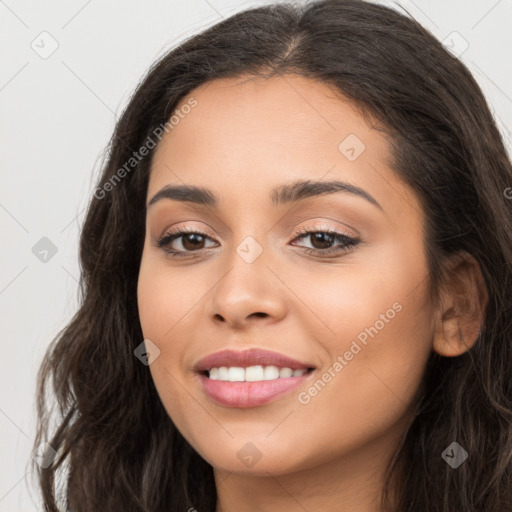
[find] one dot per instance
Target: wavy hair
(117, 449)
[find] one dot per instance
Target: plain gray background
(58, 111)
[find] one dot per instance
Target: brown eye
(182, 243)
(322, 242)
(192, 241)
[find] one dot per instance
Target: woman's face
(262, 272)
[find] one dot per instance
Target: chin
(256, 457)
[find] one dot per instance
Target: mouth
(245, 393)
(251, 377)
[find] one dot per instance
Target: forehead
(284, 112)
(247, 135)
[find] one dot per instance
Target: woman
(296, 275)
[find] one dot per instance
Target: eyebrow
(282, 194)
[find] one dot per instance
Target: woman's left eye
(320, 239)
(193, 241)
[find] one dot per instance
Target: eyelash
(348, 243)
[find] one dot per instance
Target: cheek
(378, 344)
(168, 302)
(162, 305)
(153, 294)
(166, 297)
(374, 324)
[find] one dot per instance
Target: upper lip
(249, 357)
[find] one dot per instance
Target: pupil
(324, 238)
(198, 239)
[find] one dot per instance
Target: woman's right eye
(191, 241)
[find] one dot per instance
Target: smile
(252, 386)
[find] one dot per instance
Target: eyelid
(188, 228)
(326, 228)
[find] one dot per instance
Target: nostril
(260, 315)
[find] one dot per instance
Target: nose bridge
(248, 289)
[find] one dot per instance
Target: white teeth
(270, 373)
(236, 374)
(285, 372)
(253, 373)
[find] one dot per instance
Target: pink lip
(249, 394)
(250, 357)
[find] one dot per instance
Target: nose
(248, 292)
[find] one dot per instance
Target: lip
(250, 394)
(249, 357)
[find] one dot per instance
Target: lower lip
(249, 394)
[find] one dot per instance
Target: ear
(464, 297)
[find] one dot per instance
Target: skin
(244, 137)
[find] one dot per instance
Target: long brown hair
(117, 449)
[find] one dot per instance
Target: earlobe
(455, 337)
(460, 317)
